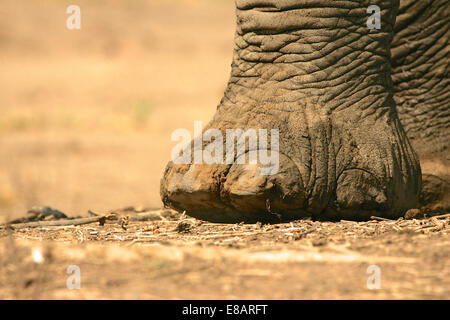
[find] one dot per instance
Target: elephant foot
(324, 166)
(317, 82)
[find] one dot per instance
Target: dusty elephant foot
(324, 173)
(341, 151)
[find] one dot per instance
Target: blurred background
(86, 115)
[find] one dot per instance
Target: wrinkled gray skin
(313, 70)
(420, 71)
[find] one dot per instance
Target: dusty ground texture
(177, 257)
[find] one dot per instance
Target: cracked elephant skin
(314, 71)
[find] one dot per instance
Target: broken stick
(65, 222)
(380, 218)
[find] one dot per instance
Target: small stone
(319, 242)
(413, 214)
(183, 227)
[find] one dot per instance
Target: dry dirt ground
(177, 257)
(85, 123)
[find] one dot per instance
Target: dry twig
(65, 222)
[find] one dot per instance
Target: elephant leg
(421, 76)
(319, 80)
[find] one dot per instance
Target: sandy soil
(85, 123)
